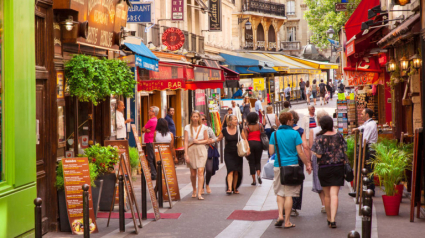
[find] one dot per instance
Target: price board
(170, 175)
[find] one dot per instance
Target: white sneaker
(323, 210)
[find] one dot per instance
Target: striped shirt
(312, 123)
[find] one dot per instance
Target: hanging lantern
(416, 61)
(391, 66)
(404, 63)
(402, 2)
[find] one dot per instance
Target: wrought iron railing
(264, 7)
(290, 45)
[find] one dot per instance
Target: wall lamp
(373, 12)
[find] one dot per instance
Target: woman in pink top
(149, 130)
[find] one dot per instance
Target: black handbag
(289, 175)
(264, 139)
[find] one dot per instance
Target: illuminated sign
(173, 38)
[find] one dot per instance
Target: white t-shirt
(163, 139)
(121, 130)
(195, 132)
(272, 122)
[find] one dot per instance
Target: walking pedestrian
(287, 92)
(164, 135)
(330, 88)
(259, 107)
(229, 112)
(317, 188)
(246, 105)
(212, 162)
(253, 131)
(309, 122)
(234, 163)
(330, 148)
(322, 88)
(270, 122)
(302, 85)
(308, 91)
(314, 91)
(195, 138)
(236, 111)
(290, 147)
(297, 201)
(149, 130)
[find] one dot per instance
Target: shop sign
(259, 84)
(60, 82)
(160, 85)
(75, 175)
(177, 10)
(249, 39)
(199, 97)
(173, 38)
(350, 49)
(170, 175)
(382, 60)
(215, 15)
(356, 78)
(139, 13)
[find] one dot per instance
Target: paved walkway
(208, 218)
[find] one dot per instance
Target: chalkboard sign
(170, 171)
(75, 174)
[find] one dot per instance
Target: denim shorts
(314, 94)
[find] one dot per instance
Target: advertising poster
(259, 84)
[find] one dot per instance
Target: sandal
(288, 227)
(229, 192)
(194, 195)
(259, 180)
(236, 192)
(208, 190)
(253, 183)
(279, 222)
(200, 197)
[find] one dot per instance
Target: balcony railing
(264, 7)
(290, 45)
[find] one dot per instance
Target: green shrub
(134, 157)
(104, 157)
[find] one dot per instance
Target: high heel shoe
(333, 225)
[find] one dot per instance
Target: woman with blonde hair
(234, 163)
(195, 138)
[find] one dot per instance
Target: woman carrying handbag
(253, 130)
(288, 145)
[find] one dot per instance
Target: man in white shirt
(121, 130)
(310, 121)
(237, 111)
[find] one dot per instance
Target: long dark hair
(307, 84)
(327, 124)
(162, 127)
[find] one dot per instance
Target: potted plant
(95, 188)
(389, 165)
(104, 158)
(134, 161)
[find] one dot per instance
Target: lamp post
(330, 33)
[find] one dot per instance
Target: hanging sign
(350, 49)
(75, 174)
(177, 10)
(139, 13)
(259, 84)
(356, 78)
(215, 15)
(173, 38)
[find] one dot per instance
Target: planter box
(63, 211)
(391, 205)
(107, 191)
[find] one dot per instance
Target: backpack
(322, 87)
(341, 88)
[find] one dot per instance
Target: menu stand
(164, 174)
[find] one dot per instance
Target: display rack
(351, 115)
(342, 116)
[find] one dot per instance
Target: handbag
(289, 175)
(264, 139)
(348, 172)
(242, 148)
(273, 127)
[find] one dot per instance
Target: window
(291, 34)
(290, 8)
(1, 91)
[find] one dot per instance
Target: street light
(330, 32)
(391, 66)
(416, 61)
(404, 63)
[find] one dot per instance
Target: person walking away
(121, 130)
(270, 121)
(297, 201)
(370, 134)
(317, 188)
(314, 88)
(170, 121)
(195, 138)
(164, 135)
(285, 108)
(236, 111)
(212, 162)
(309, 122)
(246, 105)
(287, 92)
(229, 112)
(259, 107)
(341, 87)
(234, 163)
(330, 148)
(253, 131)
(330, 88)
(149, 130)
(308, 91)
(302, 89)
(290, 147)
(322, 88)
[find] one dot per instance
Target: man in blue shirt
(258, 105)
(169, 119)
(238, 93)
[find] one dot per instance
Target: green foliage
(134, 157)
(59, 175)
(103, 157)
(92, 79)
(350, 149)
(390, 163)
(321, 14)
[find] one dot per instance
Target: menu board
(170, 171)
(75, 174)
(147, 173)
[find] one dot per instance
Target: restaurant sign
(160, 85)
(214, 15)
(357, 78)
(177, 10)
(173, 38)
(139, 13)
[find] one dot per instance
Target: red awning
(354, 24)
(205, 77)
(231, 78)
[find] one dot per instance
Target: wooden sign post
(147, 173)
(76, 173)
(170, 186)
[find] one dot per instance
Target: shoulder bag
(264, 139)
(242, 148)
(289, 175)
(348, 171)
(199, 130)
(273, 127)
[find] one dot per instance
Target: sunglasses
(204, 119)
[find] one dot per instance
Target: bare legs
(331, 201)
(232, 180)
(200, 173)
(284, 203)
(314, 100)
(322, 197)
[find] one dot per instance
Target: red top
(254, 135)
